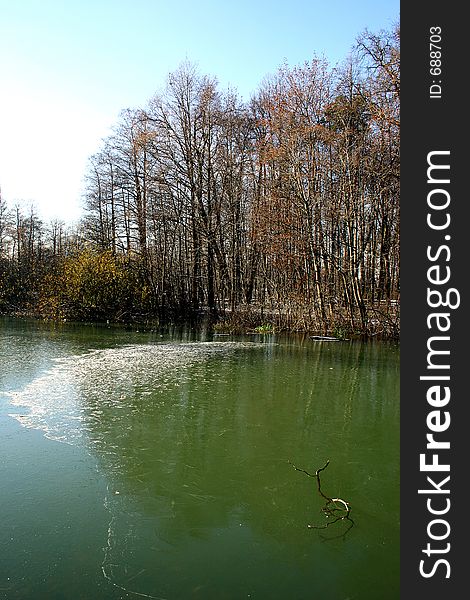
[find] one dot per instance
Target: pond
(160, 464)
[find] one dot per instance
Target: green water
(156, 465)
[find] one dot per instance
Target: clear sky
(67, 68)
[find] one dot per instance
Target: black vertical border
(433, 124)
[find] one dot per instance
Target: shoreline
(229, 323)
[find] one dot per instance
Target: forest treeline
(280, 211)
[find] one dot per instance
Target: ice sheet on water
(90, 399)
(54, 404)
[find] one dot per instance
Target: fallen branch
(331, 507)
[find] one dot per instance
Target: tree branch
(331, 507)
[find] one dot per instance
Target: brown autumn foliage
(280, 210)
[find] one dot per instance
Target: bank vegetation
(281, 211)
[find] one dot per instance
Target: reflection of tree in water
(190, 454)
(189, 448)
(176, 461)
(205, 432)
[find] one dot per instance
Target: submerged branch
(331, 508)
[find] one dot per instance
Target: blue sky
(69, 67)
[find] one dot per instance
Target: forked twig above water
(333, 506)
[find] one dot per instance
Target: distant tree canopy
(284, 208)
